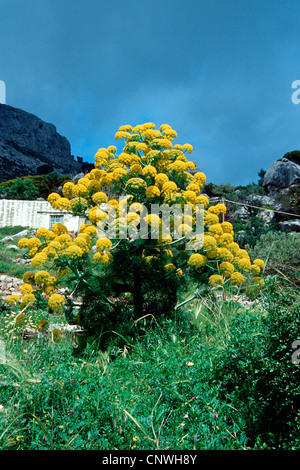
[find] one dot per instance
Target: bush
(126, 250)
(31, 187)
(257, 371)
(293, 156)
(280, 251)
(21, 189)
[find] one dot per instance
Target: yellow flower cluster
(152, 192)
(56, 302)
(135, 184)
(197, 260)
(103, 244)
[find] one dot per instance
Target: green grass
(215, 376)
(8, 231)
(8, 255)
(151, 395)
(201, 381)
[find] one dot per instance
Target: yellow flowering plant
(128, 261)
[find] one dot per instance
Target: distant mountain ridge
(28, 145)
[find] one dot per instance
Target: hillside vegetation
(142, 343)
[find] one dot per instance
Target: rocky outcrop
(281, 174)
(28, 144)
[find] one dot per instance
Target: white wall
(33, 214)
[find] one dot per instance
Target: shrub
(31, 187)
(257, 370)
(280, 251)
(128, 261)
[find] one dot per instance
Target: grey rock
(27, 143)
(293, 224)
(241, 213)
(263, 200)
(281, 174)
(11, 238)
(7, 239)
(23, 233)
(78, 176)
(13, 247)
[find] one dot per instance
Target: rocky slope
(27, 143)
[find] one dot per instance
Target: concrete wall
(34, 214)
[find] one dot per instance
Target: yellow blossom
(28, 299)
(202, 200)
(59, 228)
(259, 262)
(42, 232)
(73, 251)
(67, 189)
(169, 267)
(244, 264)
(39, 260)
(237, 278)
(149, 170)
(215, 280)
(152, 191)
(197, 260)
(226, 268)
(169, 186)
(225, 239)
(13, 299)
(102, 258)
(56, 302)
(103, 244)
(23, 242)
(188, 147)
(29, 277)
(136, 184)
(26, 289)
(99, 197)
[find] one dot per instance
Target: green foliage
(293, 156)
(8, 231)
(233, 193)
(217, 376)
(257, 370)
(129, 289)
(226, 190)
(250, 231)
(280, 251)
(8, 264)
(32, 187)
(152, 395)
(261, 175)
(20, 189)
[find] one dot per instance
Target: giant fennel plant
(126, 262)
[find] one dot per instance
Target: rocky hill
(29, 146)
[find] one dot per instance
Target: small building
(35, 214)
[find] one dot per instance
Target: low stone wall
(9, 285)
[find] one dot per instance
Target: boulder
(281, 174)
(293, 224)
(13, 247)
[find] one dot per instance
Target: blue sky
(219, 72)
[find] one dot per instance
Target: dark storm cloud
(219, 72)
